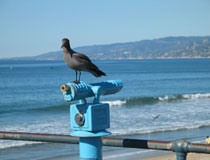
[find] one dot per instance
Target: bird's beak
(62, 46)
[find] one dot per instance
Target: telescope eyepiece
(64, 88)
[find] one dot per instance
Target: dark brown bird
(79, 62)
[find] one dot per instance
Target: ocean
(175, 91)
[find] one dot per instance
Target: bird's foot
(77, 82)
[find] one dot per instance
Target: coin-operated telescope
(90, 120)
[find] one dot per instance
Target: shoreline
(172, 156)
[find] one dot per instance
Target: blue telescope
(73, 91)
(90, 120)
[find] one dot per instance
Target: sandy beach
(190, 156)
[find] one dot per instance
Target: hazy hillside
(169, 47)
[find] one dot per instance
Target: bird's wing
(82, 57)
(85, 60)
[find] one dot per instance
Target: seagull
(156, 117)
(79, 62)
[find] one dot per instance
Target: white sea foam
(197, 95)
(121, 132)
(184, 96)
(53, 127)
(115, 102)
(167, 97)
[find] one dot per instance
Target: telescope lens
(64, 88)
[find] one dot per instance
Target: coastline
(172, 156)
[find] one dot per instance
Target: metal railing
(181, 147)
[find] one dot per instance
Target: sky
(33, 27)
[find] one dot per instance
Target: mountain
(169, 47)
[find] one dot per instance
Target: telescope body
(73, 91)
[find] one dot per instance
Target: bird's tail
(97, 73)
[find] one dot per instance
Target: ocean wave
(153, 100)
(57, 108)
(51, 108)
(196, 96)
(115, 102)
(173, 129)
(132, 101)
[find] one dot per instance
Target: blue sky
(32, 27)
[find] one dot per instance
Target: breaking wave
(153, 100)
(172, 129)
(133, 101)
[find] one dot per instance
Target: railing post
(181, 156)
(180, 147)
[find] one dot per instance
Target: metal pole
(181, 155)
(23, 136)
(90, 148)
(137, 143)
(198, 148)
(181, 149)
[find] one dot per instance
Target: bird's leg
(76, 81)
(76, 78)
(79, 75)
